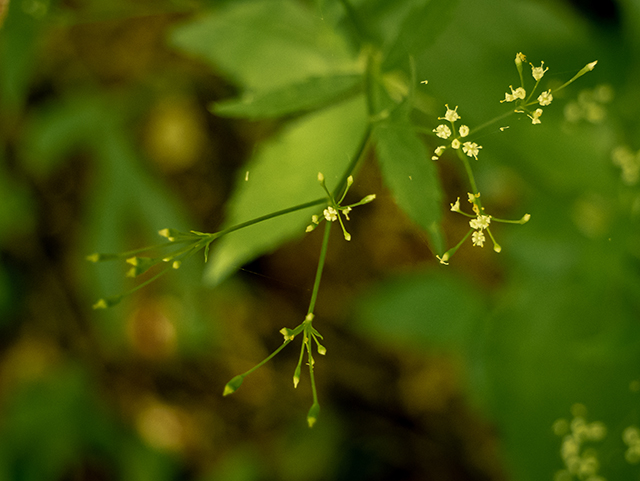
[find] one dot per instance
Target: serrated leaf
(411, 176)
(284, 173)
(306, 95)
(265, 44)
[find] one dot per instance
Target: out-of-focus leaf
(18, 36)
(432, 310)
(60, 127)
(422, 25)
(16, 208)
(265, 44)
(284, 173)
(306, 95)
(411, 175)
(554, 341)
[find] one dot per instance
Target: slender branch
(242, 225)
(323, 256)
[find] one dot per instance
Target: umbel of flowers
(458, 139)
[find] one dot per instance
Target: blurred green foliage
(118, 119)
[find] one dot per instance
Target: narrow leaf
(412, 176)
(306, 95)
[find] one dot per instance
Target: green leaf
(309, 94)
(283, 174)
(411, 175)
(432, 309)
(18, 38)
(266, 44)
(421, 27)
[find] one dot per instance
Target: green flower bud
(233, 385)
(312, 415)
(104, 303)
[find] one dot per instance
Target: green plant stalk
(472, 180)
(278, 213)
(267, 359)
(321, 261)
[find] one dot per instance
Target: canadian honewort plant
(459, 138)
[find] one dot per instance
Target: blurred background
(463, 372)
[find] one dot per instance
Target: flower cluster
(443, 131)
(579, 462)
(628, 162)
(479, 224)
(631, 437)
(519, 95)
(590, 105)
(331, 213)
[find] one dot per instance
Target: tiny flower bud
(176, 264)
(320, 177)
(313, 414)
(310, 227)
(464, 130)
(350, 181)
(321, 349)
(455, 144)
(296, 376)
(368, 199)
(107, 302)
(592, 65)
(525, 218)
(101, 257)
(170, 234)
(496, 247)
(287, 333)
(347, 236)
(519, 59)
(233, 385)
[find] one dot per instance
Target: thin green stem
(267, 359)
(467, 168)
(323, 256)
(314, 391)
(493, 121)
(278, 213)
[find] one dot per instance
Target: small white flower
(442, 131)
(478, 238)
(443, 260)
(451, 115)
(538, 72)
(464, 130)
(480, 222)
(455, 144)
(472, 198)
(440, 149)
(518, 93)
(471, 149)
(345, 212)
(545, 98)
(330, 214)
(455, 207)
(535, 118)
